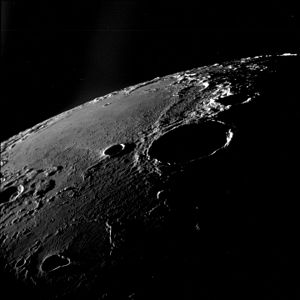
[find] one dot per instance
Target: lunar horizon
(180, 185)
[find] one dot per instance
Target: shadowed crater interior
(233, 99)
(54, 262)
(6, 195)
(119, 149)
(114, 150)
(189, 142)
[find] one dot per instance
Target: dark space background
(57, 55)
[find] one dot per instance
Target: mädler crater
(183, 186)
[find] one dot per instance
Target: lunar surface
(182, 186)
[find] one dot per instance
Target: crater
(189, 142)
(20, 263)
(54, 262)
(233, 99)
(114, 149)
(8, 193)
(118, 149)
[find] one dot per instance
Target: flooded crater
(189, 142)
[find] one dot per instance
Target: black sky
(58, 54)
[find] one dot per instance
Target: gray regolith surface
(96, 201)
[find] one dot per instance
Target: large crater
(189, 142)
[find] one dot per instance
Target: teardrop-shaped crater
(190, 142)
(114, 149)
(118, 149)
(54, 262)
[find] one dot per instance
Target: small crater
(162, 207)
(189, 142)
(54, 262)
(114, 150)
(118, 149)
(8, 194)
(20, 189)
(20, 263)
(161, 195)
(106, 104)
(3, 238)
